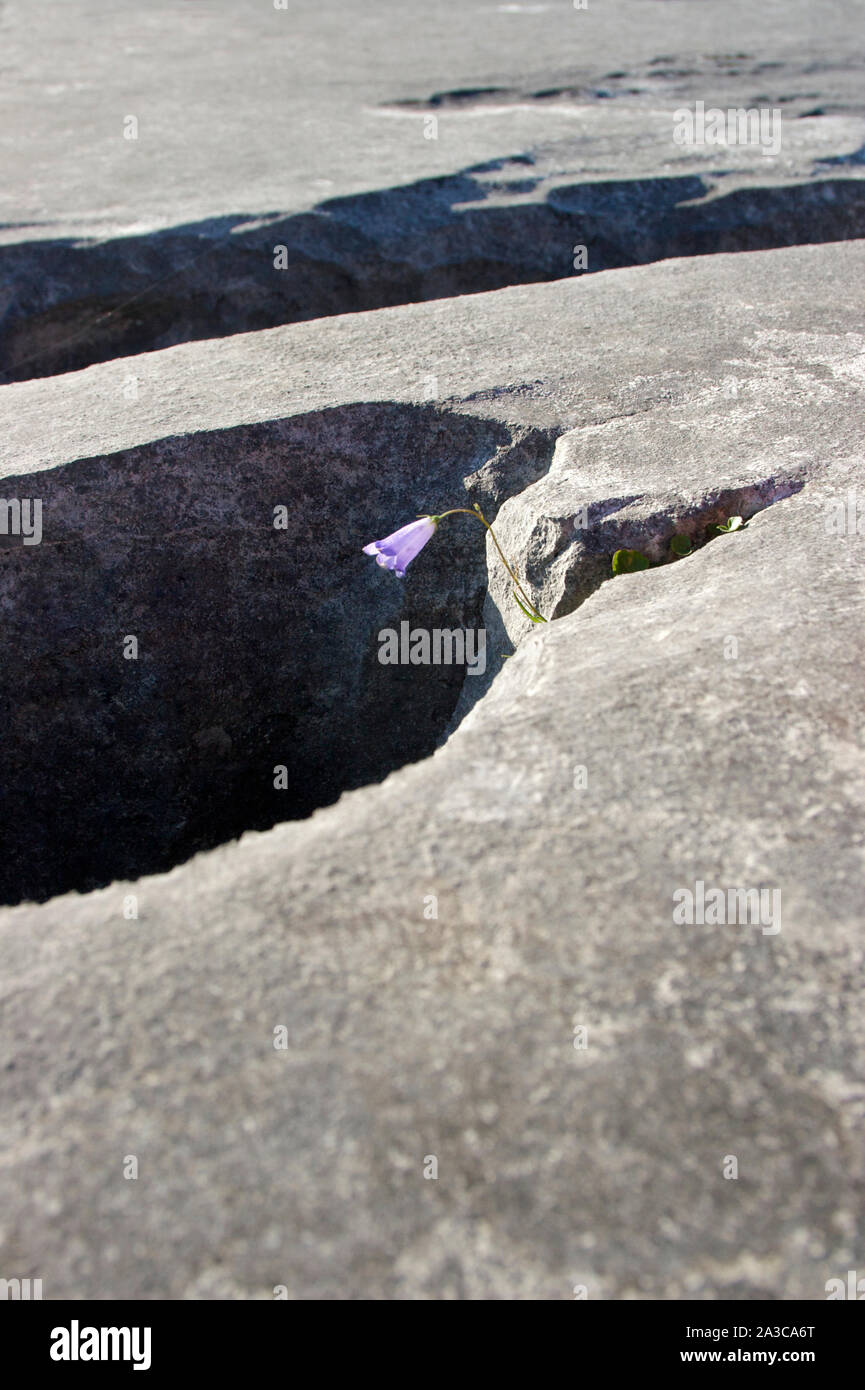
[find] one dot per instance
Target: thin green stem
(478, 514)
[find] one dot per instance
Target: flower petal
(397, 550)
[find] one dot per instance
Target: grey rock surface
(699, 722)
(498, 76)
(464, 147)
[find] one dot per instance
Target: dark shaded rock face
(257, 645)
(393, 246)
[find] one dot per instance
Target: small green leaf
(534, 617)
(628, 561)
(733, 523)
(681, 545)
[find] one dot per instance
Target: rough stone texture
(554, 130)
(318, 95)
(257, 633)
(409, 1036)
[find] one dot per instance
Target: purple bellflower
(397, 551)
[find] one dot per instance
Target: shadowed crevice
(257, 646)
(70, 304)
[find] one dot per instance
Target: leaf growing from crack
(681, 545)
(628, 561)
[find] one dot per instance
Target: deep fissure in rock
(69, 305)
(257, 647)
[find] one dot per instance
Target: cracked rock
(695, 724)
